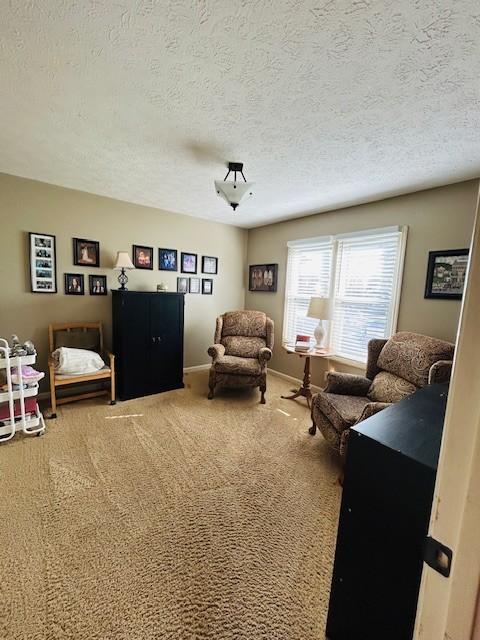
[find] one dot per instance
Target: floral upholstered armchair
(395, 368)
(243, 346)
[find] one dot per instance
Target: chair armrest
(372, 408)
(52, 363)
(369, 410)
(216, 351)
(107, 357)
(375, 346)
(264, 355)
(347, 384)
(440, 371)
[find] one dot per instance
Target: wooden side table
(305, 390)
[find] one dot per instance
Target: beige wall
(26, 205)
(437, 219)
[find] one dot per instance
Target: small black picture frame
(263, 277)
(446, 274)
(182, 284)
(167, 260)
(86, 253)
(43, 262)
(142, 257)
(207, 286)
(194, 285)
(74, 284)
(209, 265)
(97, 285)
(188, 262)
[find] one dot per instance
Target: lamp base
(319, 335)
(122, 279)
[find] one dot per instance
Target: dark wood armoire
(147, 342)
(387, 497)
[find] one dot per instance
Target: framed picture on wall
(194, 286)
(446, 273)
(142, 257)
(209, 264)
(207, 286)
(167, 260)
(43, 263)
(182, 285)
(86, 253)
(262, 277)
(74, 285)
(97, 285)
(188, 262)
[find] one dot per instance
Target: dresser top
(412, 426)
(151, 293)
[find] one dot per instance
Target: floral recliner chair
(243, 346)
(395, 368)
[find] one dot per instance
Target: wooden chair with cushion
(79, 335)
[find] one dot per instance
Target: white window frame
(306, 242)
(398, 279)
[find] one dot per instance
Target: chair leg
(53, 397)
(112, 389)
(262, 396)
(211, 383)
(112, 381)
(313, 429)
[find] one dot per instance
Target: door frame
(447, 606)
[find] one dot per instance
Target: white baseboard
(45, 395)
(198, 367)
(296, 381)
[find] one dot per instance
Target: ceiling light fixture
(234, 192)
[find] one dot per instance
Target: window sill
(356, 364)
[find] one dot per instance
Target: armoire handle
(153, 338)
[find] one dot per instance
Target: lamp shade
(123, 261)
(319, 308)
(233, 192)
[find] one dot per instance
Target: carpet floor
(172, 517)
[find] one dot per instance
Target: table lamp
(123, 262)
(319, 308)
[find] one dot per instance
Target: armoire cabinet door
(133, 355)
(166, 353)
(148, 342)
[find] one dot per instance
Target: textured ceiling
(327, 103)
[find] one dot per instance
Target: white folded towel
(76, 362)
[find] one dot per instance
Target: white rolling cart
(18, 420)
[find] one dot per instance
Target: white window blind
(360, 273)
(308, 274)
(364, 298)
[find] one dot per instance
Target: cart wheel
(41, 433)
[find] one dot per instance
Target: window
(360, 273)
(308, 273)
